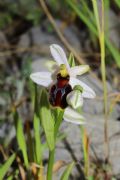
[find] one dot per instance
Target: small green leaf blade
(71, 60)
(38, 145)
(58, 117)
(5, 167)
(66, 173)
(20, 137)
(47, 120)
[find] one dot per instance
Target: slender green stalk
(85, 150)
(103, 69)
(51, 153)
(50, 164)
(100, 27)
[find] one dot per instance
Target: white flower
(47, 78)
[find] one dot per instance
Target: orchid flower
(65, 75)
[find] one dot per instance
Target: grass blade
(82, 16)
(20, 137)
(114, 51)
(30, 143)
(66, 173)
(85, 144)
(5, 167)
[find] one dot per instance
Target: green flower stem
(50, 164)
(51, 153)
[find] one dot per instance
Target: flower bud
(75, 99)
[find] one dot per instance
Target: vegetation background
(27, 28)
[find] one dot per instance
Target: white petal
(87, 91)
(59, 55)
(70, 115)
(75, 99)
(42, 78)
(78, 70)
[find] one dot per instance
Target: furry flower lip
(61, 84)
(61, 89)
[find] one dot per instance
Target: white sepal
(59, 55)
(72, 116)
(42, 78)
(75, 99)
(78, 70)
(87, 91)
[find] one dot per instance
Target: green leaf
(5, 167)
(47, 120)
(30, 143)
(20, 137)
(36, 121)
(59, 138)
(67, 171)
(58, 117)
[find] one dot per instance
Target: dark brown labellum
(59, 92)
